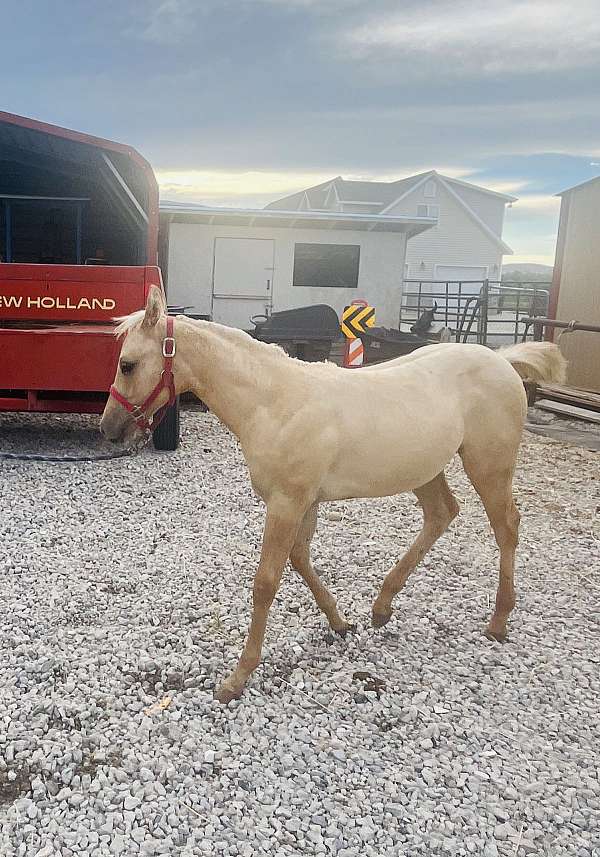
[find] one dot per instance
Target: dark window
(331, 266)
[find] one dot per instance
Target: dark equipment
(306, 333)
(381, 343)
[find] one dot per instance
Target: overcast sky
(242, 101)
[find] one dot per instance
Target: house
(576, 281)
(231, 264)
(466, 242)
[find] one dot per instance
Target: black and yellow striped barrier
(356, 319)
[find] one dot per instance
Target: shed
(70, 198)
(576, 280)
(231, 264)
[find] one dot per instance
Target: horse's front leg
(281, 526)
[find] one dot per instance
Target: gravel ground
(125, 590)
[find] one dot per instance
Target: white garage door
(460, 272)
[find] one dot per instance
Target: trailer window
(330, 266)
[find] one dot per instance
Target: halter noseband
(139, 413)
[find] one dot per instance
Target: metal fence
(485, 311)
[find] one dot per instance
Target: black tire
(166, 435)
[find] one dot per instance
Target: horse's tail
(536, 361)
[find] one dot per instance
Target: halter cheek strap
(139, 413)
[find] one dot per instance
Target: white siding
(456, 240)
(191, 256)
(489, 208)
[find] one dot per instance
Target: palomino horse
(293, 423)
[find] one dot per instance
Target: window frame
(431, 210)
(324, 285)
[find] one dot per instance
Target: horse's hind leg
(494, 486)
(300, 559)
(439, 510)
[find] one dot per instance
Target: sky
(239, 102)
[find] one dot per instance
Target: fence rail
(539, 323)
(485, 311)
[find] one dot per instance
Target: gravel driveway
(125, 591)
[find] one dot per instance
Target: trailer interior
(66, 201)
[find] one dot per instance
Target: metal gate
(488, 312)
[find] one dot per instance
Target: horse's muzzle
(116, 425)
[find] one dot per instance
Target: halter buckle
(168, 346)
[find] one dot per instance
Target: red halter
(139, 413)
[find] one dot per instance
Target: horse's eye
(127, 368)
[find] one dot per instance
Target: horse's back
(477, 374)
(411, 416)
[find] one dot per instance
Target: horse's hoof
(225, 694)
(378, 620)
(345, 629)
(498, 636)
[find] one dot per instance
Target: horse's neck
(231, 372)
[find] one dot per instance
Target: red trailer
(78, 247)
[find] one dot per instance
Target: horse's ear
(155, 307)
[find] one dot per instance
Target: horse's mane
(128, 323)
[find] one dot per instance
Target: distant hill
(530, 272)
(527, 266)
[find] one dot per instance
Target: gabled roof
(375, 193)
(505, 196)
(316, 198)
(348, 191)
(446, 181)
(382, 194)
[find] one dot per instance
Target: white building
(231, 264)
(466, 242)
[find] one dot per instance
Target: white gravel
(126, 582)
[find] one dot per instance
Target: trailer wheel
(166, 435)
(316, 352)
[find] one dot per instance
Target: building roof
(577, 186)
(193, 212)
(381, 194)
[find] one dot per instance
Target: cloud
(257, 187)
(538, 258)
(169, 21)
(252, 187)
(538, 204)
(467, 37)
(511, 188)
